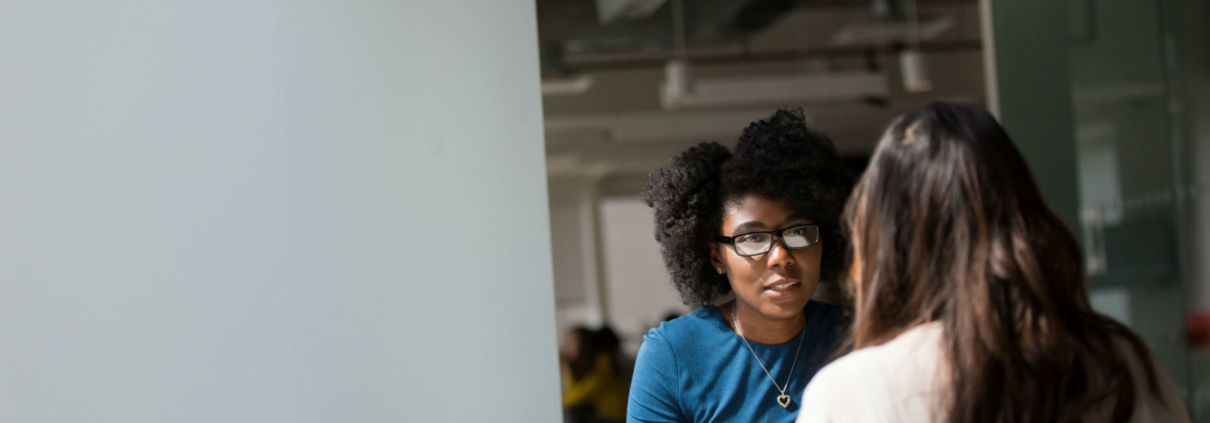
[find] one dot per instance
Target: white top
(901, 382)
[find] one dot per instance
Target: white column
(275, 211)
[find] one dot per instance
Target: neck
(761, 329)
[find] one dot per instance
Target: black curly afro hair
(779, 158)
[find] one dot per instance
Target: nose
(779, 255)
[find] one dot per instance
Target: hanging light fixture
(678, 81)
(912, 63)
(678, 76)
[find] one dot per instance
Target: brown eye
(801, 237)
(752, 243)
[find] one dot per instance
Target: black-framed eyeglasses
(757, 243)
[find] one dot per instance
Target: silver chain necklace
(783, 400)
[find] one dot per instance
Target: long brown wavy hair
(947, 225)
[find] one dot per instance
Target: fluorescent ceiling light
(652, 126)
(889, 32)
(680, 91)
(915, 72)
(567, 86)
(622, 10)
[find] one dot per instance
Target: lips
(783, 287)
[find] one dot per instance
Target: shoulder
(655, 388)
(879, 380)
(691, 329)
(909, 362)
(840, 392)
(850, 372)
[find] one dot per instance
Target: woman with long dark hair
(969, 295)
(760, 222)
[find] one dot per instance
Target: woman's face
(571, 345)
(780, 282)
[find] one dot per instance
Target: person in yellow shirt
(594, 385)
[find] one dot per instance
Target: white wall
(567, 246)
(304, 211)
(637, 288)
(574, 252)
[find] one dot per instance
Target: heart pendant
(784, 400)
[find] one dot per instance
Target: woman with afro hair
(760, 222)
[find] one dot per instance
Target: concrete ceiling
(617, 128)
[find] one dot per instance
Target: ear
(716, 258)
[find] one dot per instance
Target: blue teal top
(696, 369)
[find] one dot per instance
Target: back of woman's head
(947, 225)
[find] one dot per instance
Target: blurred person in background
(969, 294)
(611, 346)
(595, 389)
(761, 222)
